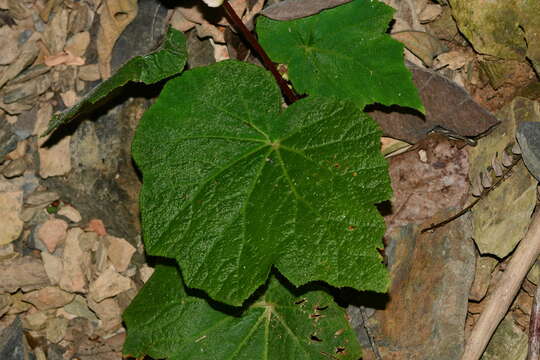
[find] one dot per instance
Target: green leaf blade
(343, 52)
(167, 61)
(164, 321)
(229, 192)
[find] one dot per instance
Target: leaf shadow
(112, 100)
(210, 14)
(394, 109)
(342, 296)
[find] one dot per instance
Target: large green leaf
(343, 52)
(233, 184)
(167, 61)
(163, 321)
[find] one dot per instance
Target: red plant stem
(288, 93)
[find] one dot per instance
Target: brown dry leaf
(391, 147)
(115, 15)
(211, 22)
(422, 188)
(447, 105)
(296, 9)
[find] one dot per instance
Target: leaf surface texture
(166, 322)
(233, 184)
(343, 52)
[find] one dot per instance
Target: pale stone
(41, 198)
(89, 241)
(15, 168)
(71, 213)
(100, 258)
(484, 268)
(89, 72)
(131, 271)
(534, 274)
(9, 44)
(36, 321)
(56, 329)
(430, 13)
(53, 267)
(29, 212)
(17, 305)
(79, 308)
(53, 233)
(56, 159)
(10, 223)
(109, 312)
(49, 297)
(145, 272)
(75, 262)
(25, 273)
(119, 252)
(5, 303)
(8, 252)
(108, 284)
(78, 43)
(63, 313)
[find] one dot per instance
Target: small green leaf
(167, 61)
(233, 184)
(343, 52)
(164, 321)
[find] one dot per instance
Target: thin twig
(288, 93)
(472, 204)
(534, 328)
(499, 301)
(368, 332)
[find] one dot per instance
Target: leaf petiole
(288, 93)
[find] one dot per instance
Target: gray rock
(142, 34)
(432, 273)
(25, 124)
(8, 139)
(27, 183)
(201, 51)
(34, 242)
(528, 137)
(55, 352)
(42, 198)
(508, 342)
(25, 273)
(12, 342)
